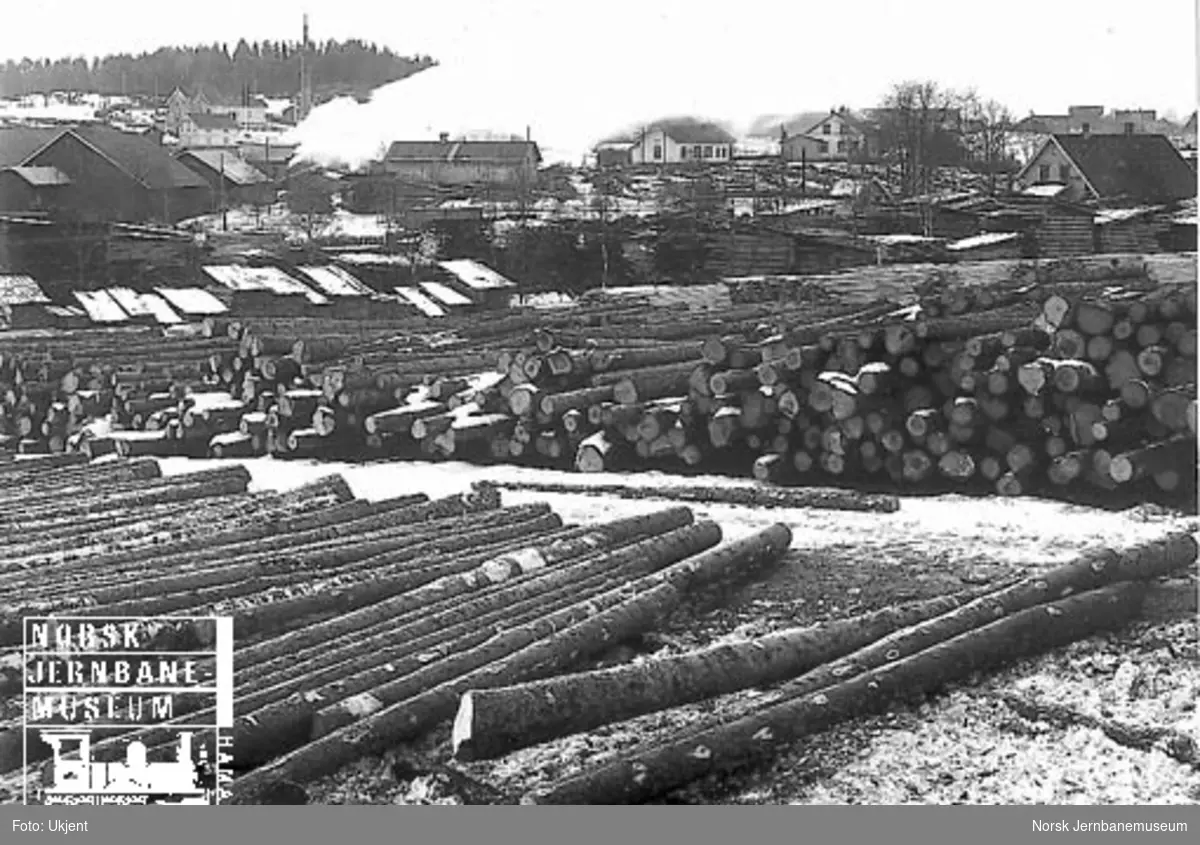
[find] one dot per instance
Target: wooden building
(115, 176)
(231, 178)
(1111, 169)
(446, 162)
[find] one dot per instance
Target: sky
(574, 72)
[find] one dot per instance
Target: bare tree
(920, 128)
(987, 126)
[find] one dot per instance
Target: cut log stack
(352, 619)
(1070, 378)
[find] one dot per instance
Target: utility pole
(224, 211)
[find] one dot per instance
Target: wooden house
(232, 179)
(446, 162)
(1111, 169)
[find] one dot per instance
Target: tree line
(270, 68)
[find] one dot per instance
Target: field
(967, 745)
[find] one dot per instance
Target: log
(759, 736)
(644, 602)
(1175, 452)
(492, 723)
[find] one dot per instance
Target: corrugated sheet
(421, 302)
(100, 307)
(474, 275)
(20, 290)
(445, 295)
(144, 305)
(192, 302)
(271, 279)
(334, 281)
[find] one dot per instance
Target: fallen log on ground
(495, 722)
(637, 606)
(646, 774)
(820, 498)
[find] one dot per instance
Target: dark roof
(506, 151)
(1145, 168)
(692, 132)
(18, 143)
(143, 160)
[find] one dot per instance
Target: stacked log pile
(1069, 378)
(356, 623)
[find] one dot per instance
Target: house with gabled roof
(680, 140)
(232, 179)
(1111, 169)
(821, 136)
(447, 162)
(107, 175)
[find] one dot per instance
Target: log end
(460, 733)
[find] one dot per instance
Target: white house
(209, 130)
(681, 141)
(820, 136)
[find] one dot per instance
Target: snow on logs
(1098, 591)
(1075, 379)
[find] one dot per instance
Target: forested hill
(269, 68)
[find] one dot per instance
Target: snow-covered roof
(100, 307)
(421, 302)
(193, 302)
(985, 239)
(443, 294)
(334, 281)
(476, 276)
(272, 279)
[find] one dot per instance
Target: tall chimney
(444, 137)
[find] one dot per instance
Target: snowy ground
(966, 746)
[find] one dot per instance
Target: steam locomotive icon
(74, 774)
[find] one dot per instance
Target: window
(658, 152)
(697, 151)
(841, 146)
(823, 147)
(1044, 173)
(1064, 173)
(1128, 128)
(708, 151)
(683, 152)
(826, 129)
(1087, 127)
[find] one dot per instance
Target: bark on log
(492, 723)
(643, 602)
(762, 734)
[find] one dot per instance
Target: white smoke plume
(566, 110)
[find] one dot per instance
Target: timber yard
(835, 460)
